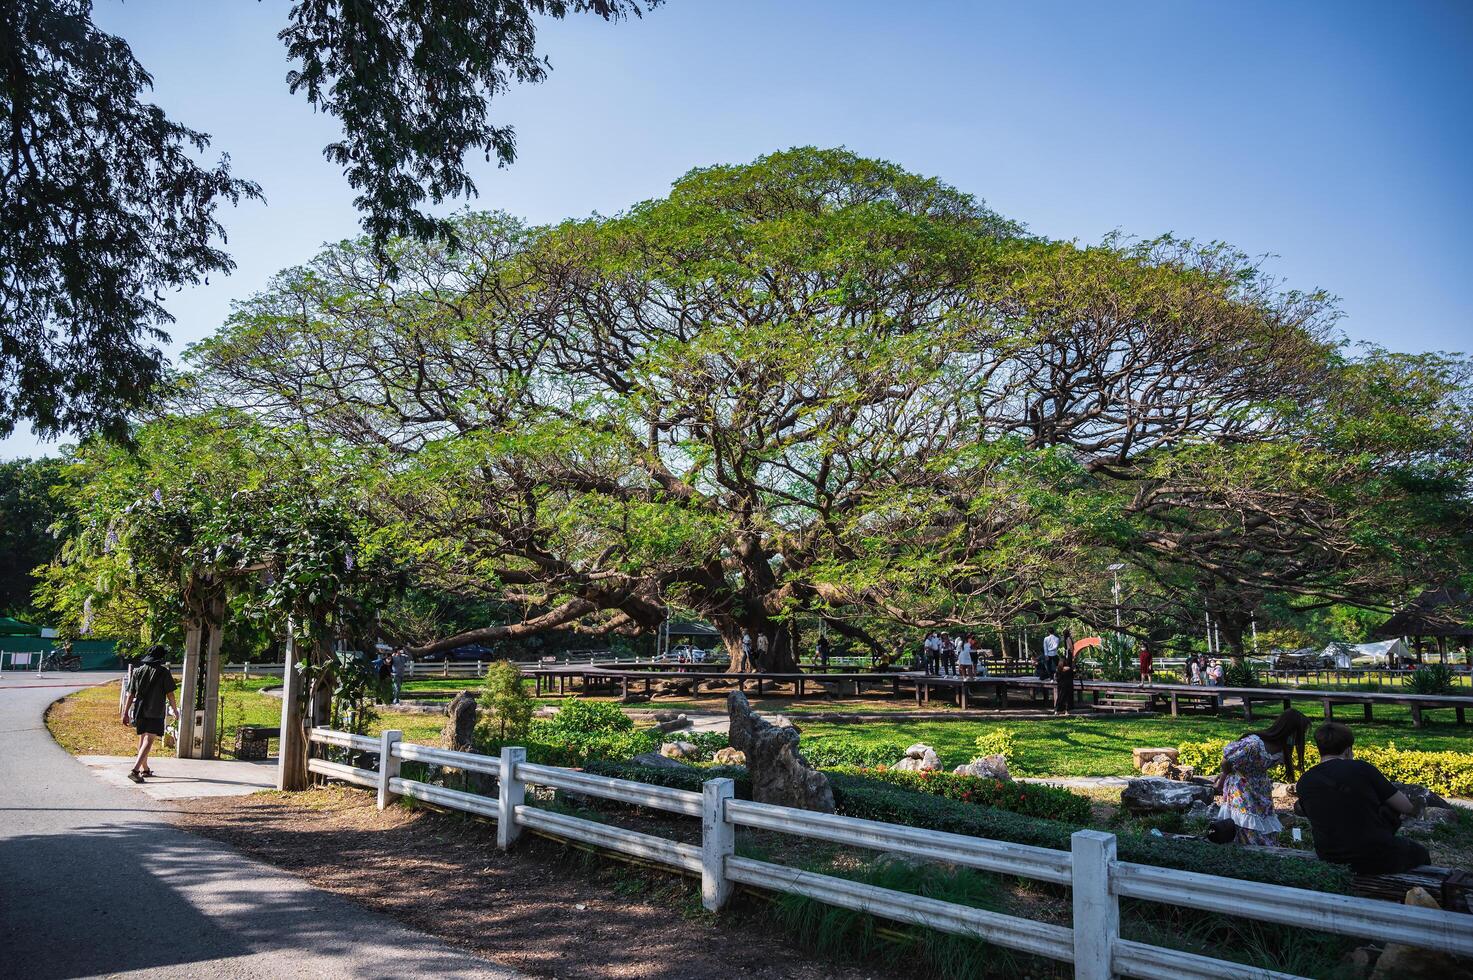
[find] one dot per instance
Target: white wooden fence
(1097, 880)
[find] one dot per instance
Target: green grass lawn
(1101, 746)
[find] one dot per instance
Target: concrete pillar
(388, 766)
(512, 793)
(1096, 910)
(718, 842)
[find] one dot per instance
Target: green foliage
(586, 731)
(998, 741)
(1431, 679)
(1029, 799)
(1445, 773)
(505, 701)
(1239, 673)
(1117, 658)
(27, 511)
(828, 752)
(354, 686)
(110, 212)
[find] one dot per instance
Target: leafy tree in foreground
(103, 208)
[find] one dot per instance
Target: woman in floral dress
(1247, 787)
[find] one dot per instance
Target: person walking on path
(1050, 654)
(399, 666)
(150, 687)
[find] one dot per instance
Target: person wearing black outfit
(150, 685)
(1354, 810)
(1064, 678)
(822, 650)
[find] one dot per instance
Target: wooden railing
(1097, 880)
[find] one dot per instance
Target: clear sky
(1335, 136)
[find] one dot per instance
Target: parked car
(684, 653)
(469, 651)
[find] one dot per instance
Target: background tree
(28, 510)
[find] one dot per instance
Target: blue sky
(1336, 137)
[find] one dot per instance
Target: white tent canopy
(1387, 652)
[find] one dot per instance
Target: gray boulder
(779, 773)
(919, 758)
(987, 767)
(1421, 797)
(1155, 794)
(460, 727)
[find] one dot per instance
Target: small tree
(506, 700)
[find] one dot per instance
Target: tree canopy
(818, 385)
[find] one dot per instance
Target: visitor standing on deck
(1050, 654)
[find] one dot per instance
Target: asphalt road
(94, 880)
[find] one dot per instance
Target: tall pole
(1208, 617)
(1115, 573)
(1253, 622)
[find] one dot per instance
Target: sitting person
(1347, 801)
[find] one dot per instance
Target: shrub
(706, 743)
(870, 799)
(999, 741)
(1239, 673)
(504, 699)
(1445, 773)
(1431, 679)
(585, 731)
(826, 753)
(1029, 799)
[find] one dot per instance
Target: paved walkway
(185, 779)
(94, 880)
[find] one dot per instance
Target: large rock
(679, 750)
(1401, 962)
(919, 758)
(1154, 794)
(987, 767)
(779, 773)
(460, 726)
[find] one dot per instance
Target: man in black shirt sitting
(1354, 810)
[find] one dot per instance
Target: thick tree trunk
(780, 655)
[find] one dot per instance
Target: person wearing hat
(150, 687)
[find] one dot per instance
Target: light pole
(1115, 574)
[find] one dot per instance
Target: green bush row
(1445, 773)
(870, 799)
(1029, 799)
(826, 753)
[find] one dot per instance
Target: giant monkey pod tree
(812, 387)
(209, 519)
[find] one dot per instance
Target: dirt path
(540, 910)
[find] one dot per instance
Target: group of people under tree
(1354, 811)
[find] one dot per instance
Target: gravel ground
(540, 909)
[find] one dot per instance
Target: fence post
(718, 841)
(511, 793)
(1096, 910)
(388, 766)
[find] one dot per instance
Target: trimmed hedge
(827, 753)
(1029, 799)
(869, 799)
(1445, 773)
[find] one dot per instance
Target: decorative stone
(779, 773)
(1200, 811)
(1431, 818)
(987, 767)
(919, 758)
(679, 750)
(673, 724)
(1154, 794)
(1159, 766)
(658, 761)
(460, 728)
(1284, 795)
(729, 757)
(1401, 962)
(1139, 757)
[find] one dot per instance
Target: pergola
(1441, 614)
